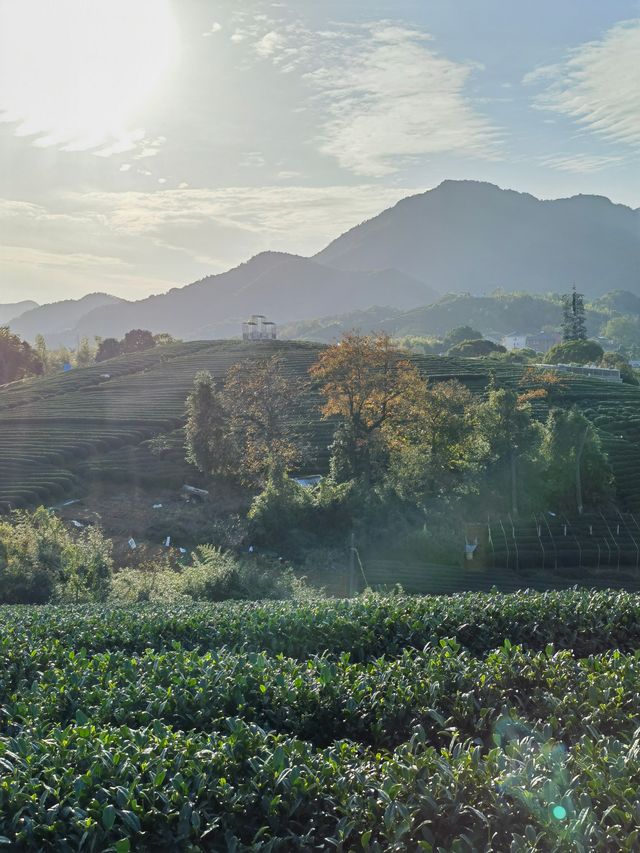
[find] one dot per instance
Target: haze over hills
(283, 286)
(10, 311)
(462, 236)
(473, 236)
(59, 317)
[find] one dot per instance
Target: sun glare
(75, 74)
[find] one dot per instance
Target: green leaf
(122, 846)
(108, 817)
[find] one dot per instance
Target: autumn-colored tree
(263, 405)
(431, 442)
(363, 379)
(540, 384)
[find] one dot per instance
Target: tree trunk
(579, 451)
(514, 484)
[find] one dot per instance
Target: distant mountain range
(15, 309)
(462, 236)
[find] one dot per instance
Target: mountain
(285, 287)
(495, 315)
(469, 236)
(13, 310)
(57, 318)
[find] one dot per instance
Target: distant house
(537, 341)
(258, 328)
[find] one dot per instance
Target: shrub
(475, 348)
(574, 352)
(40, 558)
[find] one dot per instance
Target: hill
(60, 434)
(10, 311)
(286, 287)
(57, 320)
(495, 315)
(474, 236)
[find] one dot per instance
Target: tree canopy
(17, 358)
(574, 352)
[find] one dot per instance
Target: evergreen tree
(574, 327)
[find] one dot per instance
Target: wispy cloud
(597, 85)
(386, 97)
(579, 163)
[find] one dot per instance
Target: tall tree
(209, 442)
(431, 442)
(508, 431)
(363, 379)
(263, 404)
(85, 355)
(17, 359)
(575, 465)
(574, 326)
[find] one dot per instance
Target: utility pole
(352, 564)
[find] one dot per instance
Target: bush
(574, 352)
(40, 559)
(214, 575)
(475, 348)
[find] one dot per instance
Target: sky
(145, 144)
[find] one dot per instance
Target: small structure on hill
(258, 328)
(592, 371)
(538, 341)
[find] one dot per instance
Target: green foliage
(576, 469)
(17, 359)
(460, 334)
(209, 442)
(619, 362)
(625, 331)
(574, 352)
(475, 348)
(381, 723)
(574, 326)
(295, 519)
(40, 559)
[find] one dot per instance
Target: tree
(85, 355)
(574, 352)
(460, 334)
(108, 348)
(431, 442)
(209, 443)
(363, 379)
(17, 359)
(137, 340)
(42, 352)
(163, 338)
(506, 428)
(575, 466)
(624, 331)
(618, 362)
(263, 404)
(574, 327)
(474, 349)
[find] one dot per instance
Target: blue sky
(147, 145)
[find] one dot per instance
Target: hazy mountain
(472, 236)
(285, 287)
(495, 315)
(59, 317)
(462, 236)
(9, 312)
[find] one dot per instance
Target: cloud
(597, 85)
(579, 163)
(32, 257)
(215, 28)
(386, 98)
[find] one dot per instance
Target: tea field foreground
(471, 722)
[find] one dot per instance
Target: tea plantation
(59, 433)
(474, 722)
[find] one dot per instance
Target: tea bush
(374, 724)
